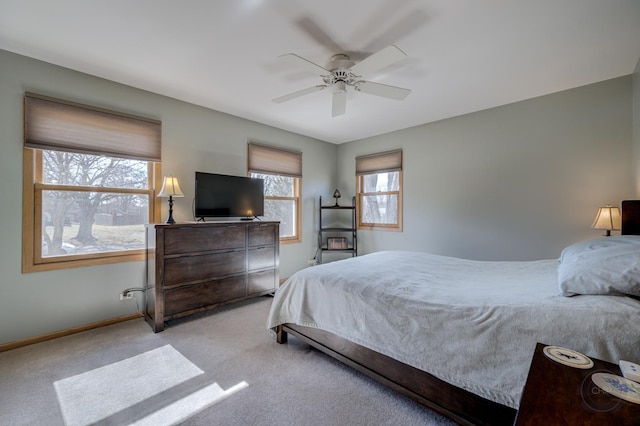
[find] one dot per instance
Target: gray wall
(636, 127)
(193, 138)
(516, 182)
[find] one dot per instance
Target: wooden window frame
(374, 164)
(397, 227)
(32, 260)
(277, 161)
(297, 189)
(61, 125)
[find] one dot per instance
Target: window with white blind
(89, 179)
(281, 170)
(379, 191)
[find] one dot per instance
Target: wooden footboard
(457, 404)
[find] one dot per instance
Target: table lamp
(608, 218)
(170, 188)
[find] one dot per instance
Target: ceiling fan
(342, 72)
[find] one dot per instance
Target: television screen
(228, 196)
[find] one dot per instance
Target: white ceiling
(463, 55)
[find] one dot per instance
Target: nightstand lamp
(608, 218)
(170, 188)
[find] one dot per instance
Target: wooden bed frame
(453, 402)
(458, 404)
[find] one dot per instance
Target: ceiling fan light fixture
(340, 61)
(342, 72)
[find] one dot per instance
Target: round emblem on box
(618, 386)
(568, 357)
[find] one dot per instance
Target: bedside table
(556, 394)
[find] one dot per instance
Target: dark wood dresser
(193, 267)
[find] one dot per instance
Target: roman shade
(382, 162)
(276, 161)
(66, 126)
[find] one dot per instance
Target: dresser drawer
(261, 258)
(262, 281)
(202, 267)
(197, 238)
(262, 235)
(196, 296)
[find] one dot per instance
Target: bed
(458, 335)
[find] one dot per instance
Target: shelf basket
(336, 243)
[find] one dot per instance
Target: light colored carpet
(266, 383)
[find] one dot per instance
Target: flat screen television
(228, 196)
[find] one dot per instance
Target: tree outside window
(83, 210)
(380, 198)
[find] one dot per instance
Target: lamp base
(170, 219)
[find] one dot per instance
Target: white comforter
(473, 324)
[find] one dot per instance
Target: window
(282, 173)
(89, 179)
(379, 189)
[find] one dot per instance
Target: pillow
(609, 265)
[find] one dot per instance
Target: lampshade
(170, 188)
(608, 218)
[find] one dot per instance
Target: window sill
(78, 263)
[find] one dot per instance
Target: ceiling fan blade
(299, 93)
(391, 92)
(318, 34)
(409, 23)
(339, 101)
(304, 63)
(381, 59)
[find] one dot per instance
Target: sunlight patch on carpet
(97, 394)
(189, 405)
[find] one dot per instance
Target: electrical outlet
(126, 296)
